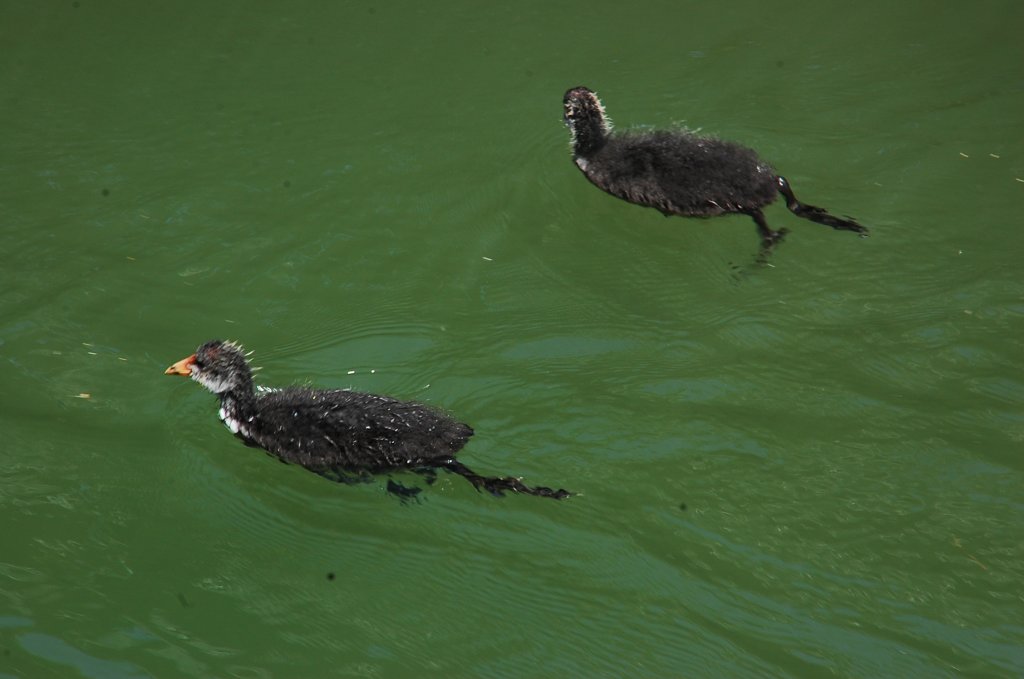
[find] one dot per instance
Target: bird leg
(403, 493)
(497, 485)
(429, 474)
(817, 214)
(769, 238)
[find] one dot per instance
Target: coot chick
(681, 173)
(337, 433)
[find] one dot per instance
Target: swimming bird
(343, 435)
(682, 173)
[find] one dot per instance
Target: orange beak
(182, 367)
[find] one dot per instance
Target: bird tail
(497, 485)
(817, 214)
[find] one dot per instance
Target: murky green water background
(381, 197)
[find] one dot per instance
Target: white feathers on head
(214, 384)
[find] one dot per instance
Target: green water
(382, 197)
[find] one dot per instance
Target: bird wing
(352, 430)
(678, 172)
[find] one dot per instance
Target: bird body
(324, 429)
(681, 173)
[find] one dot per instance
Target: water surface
(812, 469)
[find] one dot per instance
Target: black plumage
(340, 434)
(681, 173)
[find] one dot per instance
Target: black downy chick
(681, 173)
(337, 433)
